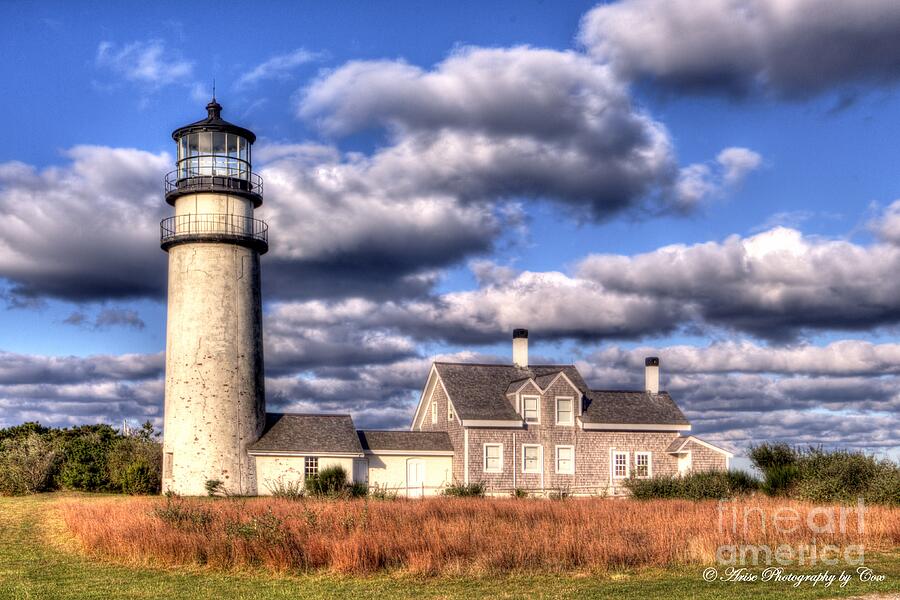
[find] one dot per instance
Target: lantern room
(213, 156)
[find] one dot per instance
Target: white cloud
(489, 123)
(147, 63)
(791, 48)
(277, 67)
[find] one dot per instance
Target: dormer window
(531, 409)
(565, 410)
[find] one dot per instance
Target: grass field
(40, 559)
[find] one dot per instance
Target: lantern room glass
(208, 154)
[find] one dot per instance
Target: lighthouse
(214, 388)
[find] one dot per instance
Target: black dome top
(214, 122)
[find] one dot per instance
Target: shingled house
(535, 427)
(541, 428)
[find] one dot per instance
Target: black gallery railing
(180, 227)
(213, 178)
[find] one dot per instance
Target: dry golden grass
(445, 536)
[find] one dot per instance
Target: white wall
(291, 469)
(390, 471)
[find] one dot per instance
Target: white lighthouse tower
(215, 399)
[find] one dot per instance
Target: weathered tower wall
(214, 397)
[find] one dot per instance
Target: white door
(415, 478)
(684, 463)
(360, 470)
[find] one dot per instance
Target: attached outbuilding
(408, 463)
(294, 447)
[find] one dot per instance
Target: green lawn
(31, 567)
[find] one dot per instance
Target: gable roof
(311, 433)
(478, 391)
(422, 441)
(677, 445)
(642, 408)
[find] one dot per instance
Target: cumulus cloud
(774, 284)
(148, 63)
(277, 67)
(85, 231)
(741, 393)
(89, 230)
(488, 124)
(789, 48)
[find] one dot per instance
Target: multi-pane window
(434, 413)
(565, 411)
(642, 464)
(213, 153)
(493, 458)
(565, 459)
(311, 466)
(531, 409)
(620, 465)
(531, 459)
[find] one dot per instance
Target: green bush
(330, 482)
(27, 464)
(214, 487)
(358, 490)
(766, 456)
(709, 485)
(134, 465)
(465, 490)
(779, 480)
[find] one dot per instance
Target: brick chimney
(520, 348)
(651, 374)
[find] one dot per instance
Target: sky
(709, 181)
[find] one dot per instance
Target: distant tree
(27, 464)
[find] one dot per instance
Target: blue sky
(813, 145)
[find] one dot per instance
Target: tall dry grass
(449, 536)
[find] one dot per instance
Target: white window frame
(571, 399)
(540, 458)
(649, 456)
(434, 412)
(612, 464)
(538, 408)
(484, 455)
(556, 463)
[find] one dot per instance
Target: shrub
(134, 465)
(27, 464)
(84, 462)
(520, 493)
(358, 490)
(330, 482)
(766, 456)
(707, 485)
(214, 487)
(382, 492)
(842, 476)
(290, 490)
(465, 490)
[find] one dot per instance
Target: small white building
(296, 446)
